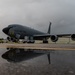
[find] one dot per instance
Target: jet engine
(73, 37)
(54, 38)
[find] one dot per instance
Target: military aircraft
(16, 32)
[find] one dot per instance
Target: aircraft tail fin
(49, 29)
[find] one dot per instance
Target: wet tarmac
(16, 62)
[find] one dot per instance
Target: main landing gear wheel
(45, 41)
(31, 41)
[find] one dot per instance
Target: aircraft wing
(49, 35)
(64, 35)
(53, 37)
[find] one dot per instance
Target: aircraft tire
(45, 41)
(31, 41)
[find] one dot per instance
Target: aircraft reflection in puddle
(18, 55)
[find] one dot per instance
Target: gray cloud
(38, 13)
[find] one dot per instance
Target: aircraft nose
(5, 30)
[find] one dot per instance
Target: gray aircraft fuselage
(14, 30)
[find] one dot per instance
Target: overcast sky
(38, 13)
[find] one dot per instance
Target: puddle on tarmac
(20, 61)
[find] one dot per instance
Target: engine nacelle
(54, 38)
(73, 37)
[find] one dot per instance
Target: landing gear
(30, 41)
(12, 39)
(8, 38)
(45, 41)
